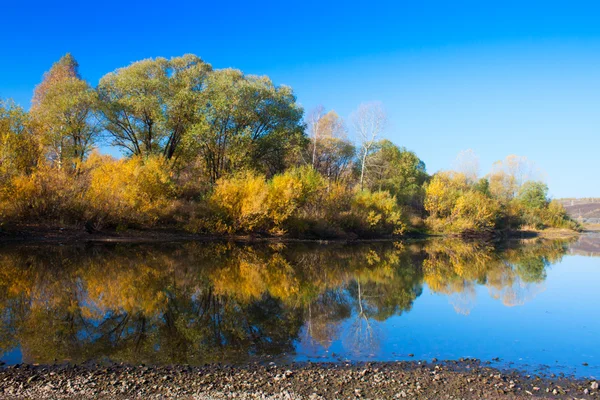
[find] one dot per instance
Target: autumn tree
(64, 110)
(150, 106)
(19, 148)
(455, 206)
(330, 151)
(508, 175)
(369, 122)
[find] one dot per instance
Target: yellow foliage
(442, 193)
(474, 211)
(47, 193)
(292, 190)
(376, 213)
(134, 190)
(241, 202)
(455, 206)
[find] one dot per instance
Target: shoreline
(466, 379)
(54, 234)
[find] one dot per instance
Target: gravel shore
(444, 380)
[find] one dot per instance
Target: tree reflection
(205, 302)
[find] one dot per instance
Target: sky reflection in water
(528, 303)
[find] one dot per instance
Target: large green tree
(149, 106)
(246, 122)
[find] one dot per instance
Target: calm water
(532, 304)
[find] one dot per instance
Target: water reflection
(196, 303)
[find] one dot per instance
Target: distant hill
(583, 210)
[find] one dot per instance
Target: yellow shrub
(474, 212)
(442, 193)
(241, 202)
(129, 191)
(455, 206)
(46, 194)
(290, 191)
(556, 216)
(376, 213)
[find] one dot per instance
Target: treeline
(219, 152)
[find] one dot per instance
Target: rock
(594, 385)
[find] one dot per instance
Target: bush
(246, 202)
(455, 206)
(133, 191)
(291, 191)
(46, 194)
(240, 203)
(374, 213)
(474, 212)
(442, 193)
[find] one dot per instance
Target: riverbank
(55, 234)
(468, 379)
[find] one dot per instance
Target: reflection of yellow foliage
(138, 290)
(451, 262)
(196, 290)
(243, 281)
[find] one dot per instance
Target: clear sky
(510, 77)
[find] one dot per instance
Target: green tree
(398, 171)
(64, 109)
(533, 195)
(150, 106)
(246, 122)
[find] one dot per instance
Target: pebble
(310, 380)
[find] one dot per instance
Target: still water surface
(532, 304)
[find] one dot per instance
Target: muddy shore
(53, 234)
(437, 380)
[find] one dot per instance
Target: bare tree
(467, 163)
(314, 123)
(507, 176)
(369, 121)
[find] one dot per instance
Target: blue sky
(514, 78)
